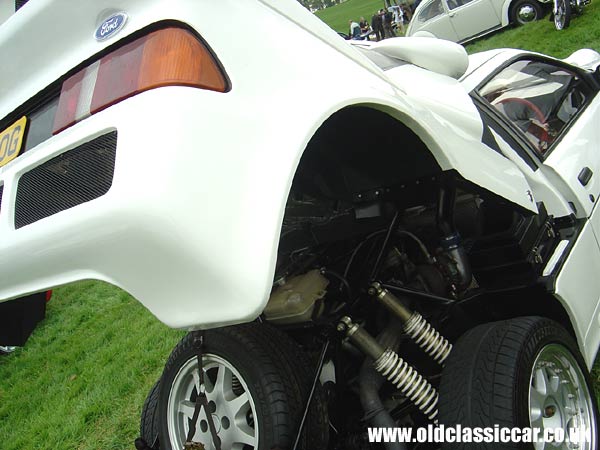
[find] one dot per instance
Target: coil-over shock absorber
(387, 362)
(421, 331)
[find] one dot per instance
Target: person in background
(406, 9)
(354, 30)
(387, 18)
(398, 17)
(377, 25)
(364, 26)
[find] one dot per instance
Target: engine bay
(399, 276)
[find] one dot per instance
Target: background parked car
(464, 20)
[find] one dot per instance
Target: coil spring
(428, 338)
(236, 386)
(409, 381)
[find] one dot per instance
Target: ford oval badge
(111, 26)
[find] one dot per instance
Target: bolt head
(549, 411)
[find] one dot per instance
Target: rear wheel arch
(369, 134)
(525, 302)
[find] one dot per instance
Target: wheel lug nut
(549, 411)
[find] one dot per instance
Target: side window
(538, 97)
(431, 10)
(453, 4)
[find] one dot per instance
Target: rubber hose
(370, 382)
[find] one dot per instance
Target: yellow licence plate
(11, 141)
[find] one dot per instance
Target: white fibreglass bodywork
(555, 183)
(191, 224)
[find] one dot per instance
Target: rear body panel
(190, 225)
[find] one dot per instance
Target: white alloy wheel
(559, 398)
(230, 403)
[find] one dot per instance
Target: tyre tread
(283, 383)
(482, 381)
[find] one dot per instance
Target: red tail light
(48, 296)
(167, 57)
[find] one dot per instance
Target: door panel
(472, 17)
(433, 17)
(442, 28)
(577, 151)
(556, 111)
(578, 285)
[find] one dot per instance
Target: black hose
(358, 247)
(370, 382)
(375, 413)
(392, 228)
(419, 242)
(445, 210)
(341, 279)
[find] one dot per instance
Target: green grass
(542, 37)
(337, 16)
(81, 379)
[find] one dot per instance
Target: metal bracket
(193, 446)
(311, 393)
(201, 401)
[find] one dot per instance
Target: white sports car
(355, 235)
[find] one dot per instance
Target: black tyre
(257, 381)
(526, 11)
(525, 372)
(149, 418)
(562, 17)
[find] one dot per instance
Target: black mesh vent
(75, 177)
